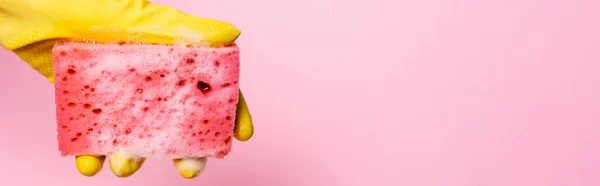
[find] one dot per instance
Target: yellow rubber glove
(30, 28)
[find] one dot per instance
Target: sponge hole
(228, 140)
(97, 111)
(203, 87)
(189, 61)
(181, 83)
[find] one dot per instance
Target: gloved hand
(31, 27)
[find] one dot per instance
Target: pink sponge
(147, 100)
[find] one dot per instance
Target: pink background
(427, 93)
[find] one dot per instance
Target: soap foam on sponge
(148, 100)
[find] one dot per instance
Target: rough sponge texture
(154, 101)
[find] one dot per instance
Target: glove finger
(190, 167)
(89, 165)
(244, 129)
(124, 165)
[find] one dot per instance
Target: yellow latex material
(190, 167)
(30, 28)
(29, 22)
(243, 129)
(89, 165)
(124, 165)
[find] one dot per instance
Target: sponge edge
(153, 101)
